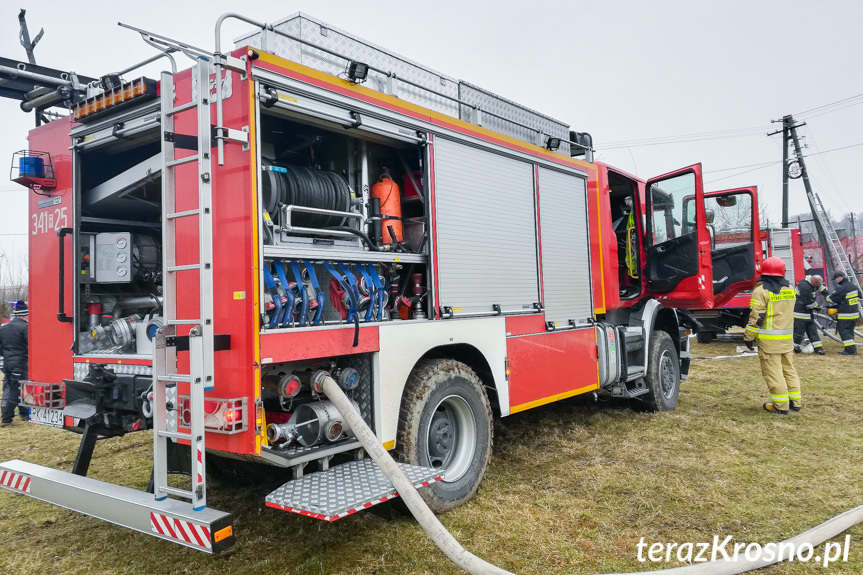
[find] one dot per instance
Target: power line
(766, 164)
(829, 105)
(676, 140)
(696, 134)
(834, 150)
(745, 172)
(739, 167)
(833, 110)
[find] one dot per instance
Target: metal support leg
(85, 451)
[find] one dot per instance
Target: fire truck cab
(210, 243)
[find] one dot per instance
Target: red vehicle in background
(782, 243)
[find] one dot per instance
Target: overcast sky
(625, 71)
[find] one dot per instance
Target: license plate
(46, 416)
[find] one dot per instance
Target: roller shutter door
(486, 230)
(565, 248)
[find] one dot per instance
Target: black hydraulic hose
(372, 245)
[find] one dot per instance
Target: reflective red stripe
(155, 523)
(193, 528)
(179, 525)
(167, 524)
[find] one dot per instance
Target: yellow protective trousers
(781, 377)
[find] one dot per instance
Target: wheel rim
(667, 375)
(451, 441)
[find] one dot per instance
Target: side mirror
(710, 215)
(727, 201)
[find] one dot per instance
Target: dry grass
(571, 489)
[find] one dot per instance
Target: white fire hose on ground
(476, 566)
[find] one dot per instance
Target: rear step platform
(206, 530)
(344, 489)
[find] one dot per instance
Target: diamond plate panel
(320, 34)
(80, 370)
(344, 489)
(363, 392)
(516, 112)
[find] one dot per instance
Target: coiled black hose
(300, 186)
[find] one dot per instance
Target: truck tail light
(220, 415)
(43, 394)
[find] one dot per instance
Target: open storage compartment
(344, 222)
(118, 241)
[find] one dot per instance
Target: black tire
(663, 374)
(704, 336)
(446, 422)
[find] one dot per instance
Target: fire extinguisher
(387, 191)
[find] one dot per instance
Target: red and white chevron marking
(15, 481)
(174, 528)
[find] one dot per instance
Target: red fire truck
(207, 246)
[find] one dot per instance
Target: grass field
(572, 488)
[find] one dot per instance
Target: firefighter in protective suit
(771, 321)
(845, 300)
(804, 323)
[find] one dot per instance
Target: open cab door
(735, 244)
(677, 244)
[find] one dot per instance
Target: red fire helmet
(773, 266)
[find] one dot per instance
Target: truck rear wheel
(446, 423)
(663, 374)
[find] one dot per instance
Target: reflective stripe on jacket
(772, 319)
(806, 299)
(846, 297)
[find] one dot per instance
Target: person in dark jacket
(13, 348)
(804, 323)
(845, 299)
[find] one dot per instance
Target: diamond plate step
(344, 489)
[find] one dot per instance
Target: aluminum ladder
(837, 251)
(166, 379)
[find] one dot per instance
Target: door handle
(61, 310)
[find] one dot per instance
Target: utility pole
(787, 124)
(823, 226)
(854, 239)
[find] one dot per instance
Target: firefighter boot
(768, 406)
(794, 406)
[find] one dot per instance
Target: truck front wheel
(446, 423)
(663, 374)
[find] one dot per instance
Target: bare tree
(14, 279)
(764, 215)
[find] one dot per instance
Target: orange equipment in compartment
(387, 191)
